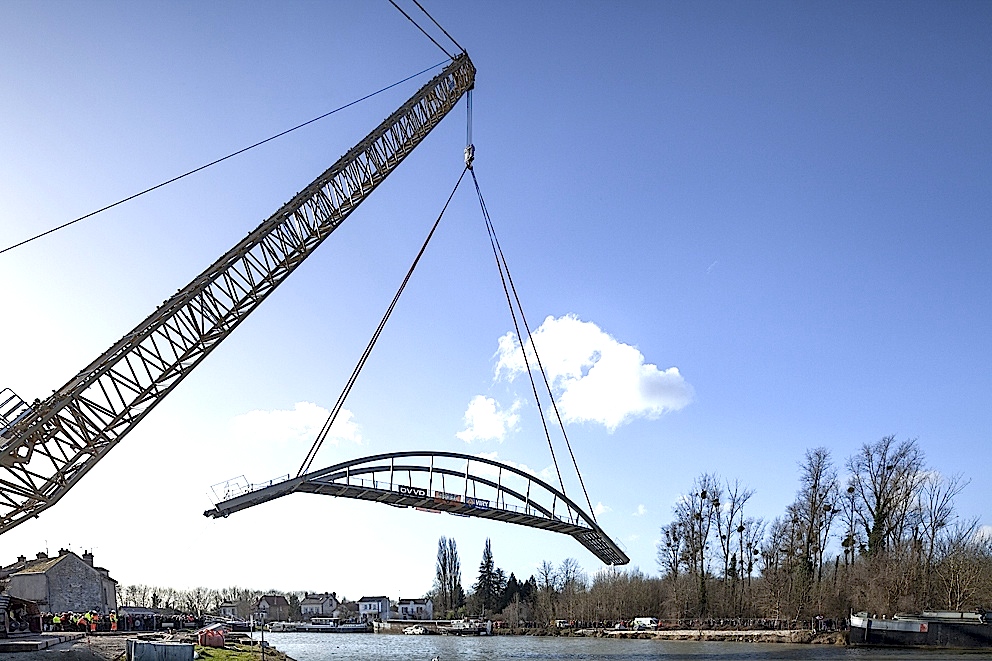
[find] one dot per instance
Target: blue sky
(786, 202)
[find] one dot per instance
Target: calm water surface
(390, 647)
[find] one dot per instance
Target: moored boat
(332, 625)
(949, 629)
(283, 626)
(467, 628)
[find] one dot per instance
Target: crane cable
(427, 13)
(339, 404)
(219, 160)
(410, 18)
(508, 286)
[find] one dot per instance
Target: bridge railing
(498, 500)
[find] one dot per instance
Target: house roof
(274, 600)
(42, 565)
(408, 602)
(373, 599)
(317, 599)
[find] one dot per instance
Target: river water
(390, 647)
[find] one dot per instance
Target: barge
(946, 629)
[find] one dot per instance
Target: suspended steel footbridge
(450, 482)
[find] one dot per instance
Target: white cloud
(595, 377)
(300, 425)
(633, 538)
(983, 533)
(485, 420)
(641, 511)
(601, 509)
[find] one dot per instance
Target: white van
(644, 623)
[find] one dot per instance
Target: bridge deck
(340, 482)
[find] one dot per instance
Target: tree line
(882, 536)
(201, 601)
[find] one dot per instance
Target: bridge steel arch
(451, 482)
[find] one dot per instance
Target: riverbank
(794, 636)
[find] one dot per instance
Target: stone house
(415, 609)
(66, 582)
(373, 608)
(272, 608)
(320, 605)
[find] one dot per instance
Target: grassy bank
(239, 652)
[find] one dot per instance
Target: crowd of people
(92, 621)
(89, 621)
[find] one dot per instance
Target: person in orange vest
(113, 620)
(82, 624)
(94, 620)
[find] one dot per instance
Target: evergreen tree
(491, 582)
(509, 592)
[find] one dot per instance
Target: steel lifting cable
(219, 160)
(427, 13)
(339, 404)
(410, 18)
(508, 286)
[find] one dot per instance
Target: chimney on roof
(42, 555)
(63, 552)
(88, 558)
(22, 558)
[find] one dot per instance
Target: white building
(373, 608)
(416, 609)
(228, 609)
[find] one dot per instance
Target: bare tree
(696, 514)
(965, 557)
(547, 591)
(853, 540)
(730, 525)
(750, 534)
(195, 601)
(671, 550)
(815, 506)
(778, 555)
(571, 586)
(886, 476)
(937, 494)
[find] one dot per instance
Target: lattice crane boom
(47, 447)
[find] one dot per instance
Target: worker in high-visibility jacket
(94, 621)
(56, 622)
(113, 620)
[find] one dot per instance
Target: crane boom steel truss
(445, 482)
(48, 446)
